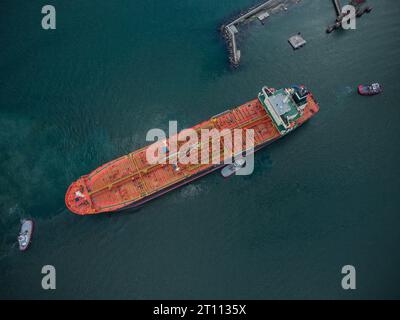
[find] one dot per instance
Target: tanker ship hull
(195, 177)
(131, 181)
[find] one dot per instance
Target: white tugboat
(25, 234)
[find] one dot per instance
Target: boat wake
(9, 222)
(191, 191)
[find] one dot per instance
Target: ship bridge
(281, 107)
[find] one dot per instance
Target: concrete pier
(253, 12)
(338, 7)
(339, 15)
(259, 12)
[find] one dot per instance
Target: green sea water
(323, 197)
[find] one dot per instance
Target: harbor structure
(297, 41)
(259, 12)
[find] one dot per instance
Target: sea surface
(323, 197)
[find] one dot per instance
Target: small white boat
(25, 234)
(233, 168)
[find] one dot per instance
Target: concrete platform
(262, 16)
(297, 41)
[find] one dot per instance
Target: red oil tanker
(131, 180)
